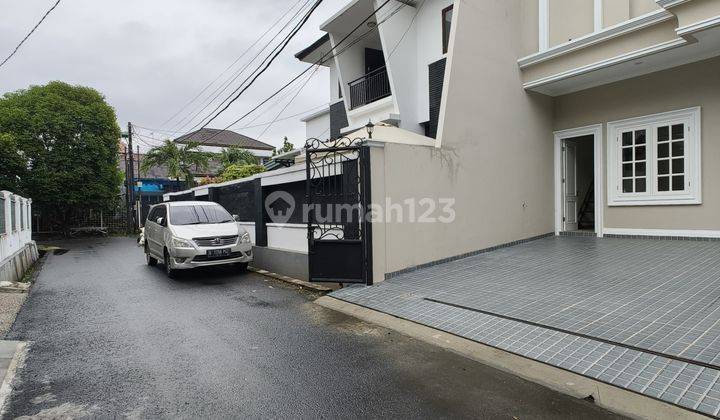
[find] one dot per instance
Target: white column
(544, 24)
(598, 15)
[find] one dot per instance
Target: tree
(286, 147)
(180, 162)
(12, 164)
(240, 171)
(236, 156)
(59, 146)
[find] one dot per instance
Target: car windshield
(198, 215)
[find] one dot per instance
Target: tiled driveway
(637, 313)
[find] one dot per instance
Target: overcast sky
(150, 57)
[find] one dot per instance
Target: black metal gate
(337, 199)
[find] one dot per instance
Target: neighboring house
(547, 116)
(283, 160)
(214, 140)
(393, 72)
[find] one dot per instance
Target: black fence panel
(295, 192)
(237, 199)
(188, 196)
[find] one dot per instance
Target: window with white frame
(22, 214)
(655, 160)
(3, 228)
(13, 218)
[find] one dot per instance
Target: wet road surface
(111, 337)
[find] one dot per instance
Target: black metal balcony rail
(369, 88)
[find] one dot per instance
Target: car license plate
(216, 253)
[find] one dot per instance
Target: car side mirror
(160, 221)
(236, 217)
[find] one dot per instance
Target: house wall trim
(606, 34)
(666, 4)
(633, 55)
(698, 26)
(663, 233)
(596, 131)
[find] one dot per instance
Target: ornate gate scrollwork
(337, 198)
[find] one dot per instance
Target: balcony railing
(369, 88)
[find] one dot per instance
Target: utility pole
(139, 199)
(131, 184)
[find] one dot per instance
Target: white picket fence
(15, 223)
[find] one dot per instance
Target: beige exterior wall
(494, 147)
(615, 11)
(530, 28)
(649, 36)
(641, 7)
(570, 19)
(688, 86)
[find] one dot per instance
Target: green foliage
(181, 161)
(12, 163)
(286, 147)
(240, 171)
(236, 156)
(59, 146)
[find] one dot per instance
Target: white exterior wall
(318, 127)
(429, 49)
(14, 238)
(289, 236)
(412, 39)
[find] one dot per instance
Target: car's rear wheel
(172, 273)
(149, 259)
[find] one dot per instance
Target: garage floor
(641, 314)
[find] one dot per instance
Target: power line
(271, 59)
(417, 11)
(30, 33)
(161, 131)
(290, 102)
(321, 60)
(232, 64)
(223, 87)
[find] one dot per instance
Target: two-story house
(390, 70)
(554, 117)
(547, 116)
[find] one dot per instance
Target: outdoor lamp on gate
(370, 127)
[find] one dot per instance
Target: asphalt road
(112, 337)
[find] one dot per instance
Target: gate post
(366, 224)
(260, 216)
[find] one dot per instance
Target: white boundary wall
(289, 236)
(16, 232)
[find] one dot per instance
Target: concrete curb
(300, 283)
(610, 397)
(18, 360)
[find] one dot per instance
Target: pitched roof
(160, 172)
(323, 42)
(222, 138)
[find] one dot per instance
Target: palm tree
(236, 156)
(180, 162)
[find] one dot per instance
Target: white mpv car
(190, 234)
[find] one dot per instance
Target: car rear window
(198, 215)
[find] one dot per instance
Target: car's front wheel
(149, 259)
(172, 273)
(241, 267)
